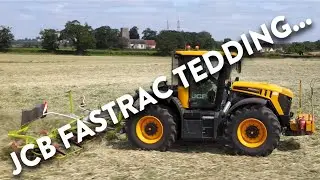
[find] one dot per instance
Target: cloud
(60, 7)
(220, 17)
(272, 6)
(26, 17)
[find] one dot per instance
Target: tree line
(82, 37)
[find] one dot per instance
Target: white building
(137, 44)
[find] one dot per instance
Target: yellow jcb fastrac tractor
(248, 117)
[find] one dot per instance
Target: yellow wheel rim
(149, 129)
(252, 133)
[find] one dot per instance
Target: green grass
(90, 52)
(136, 52)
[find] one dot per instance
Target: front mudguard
(247, 101)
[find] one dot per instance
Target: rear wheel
(152, 129)
(252, 130)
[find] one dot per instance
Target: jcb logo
(199, 96)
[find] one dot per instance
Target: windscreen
(180, 60)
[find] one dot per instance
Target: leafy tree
(106, 37)
(300, 47)
(65, 44)
(133, 33)
(317, 44)
(205, 40)
(80, 36)
(6, 37)
(266, 45)
(296, 47)
(49, 39)
(309, 46)
(31, 43)
(190, 38)
(149, 34)
(122, 43)
(168, 40)
(217, 44)
(226, 40)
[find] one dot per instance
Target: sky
(222, 18)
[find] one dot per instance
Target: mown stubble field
(26, 80)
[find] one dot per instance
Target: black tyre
(253, 131)
(152, 129)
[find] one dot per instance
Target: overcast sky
(222, 18)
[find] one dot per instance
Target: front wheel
(252, 130)
(152, 129)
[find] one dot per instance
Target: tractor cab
(209, 93)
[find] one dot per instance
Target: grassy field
(27, 79)
(138, 52)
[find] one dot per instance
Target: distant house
(151, 44)
(267, 49)
(137, 43)
(270, 50)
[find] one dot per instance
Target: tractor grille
(285, 103)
